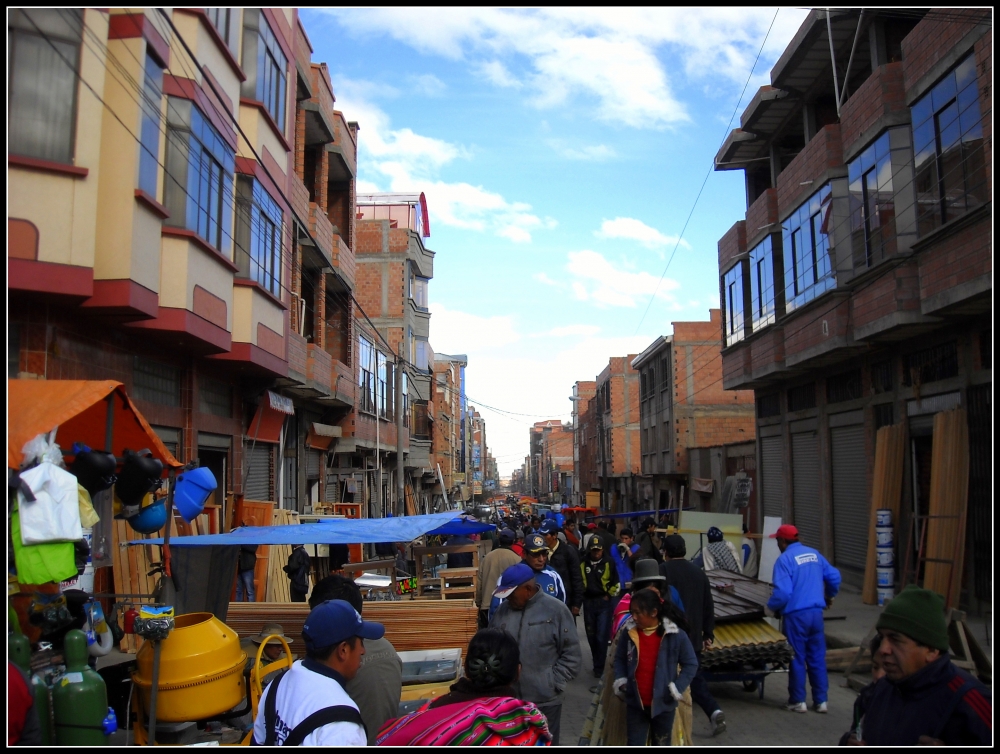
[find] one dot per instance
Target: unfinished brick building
(857, 291)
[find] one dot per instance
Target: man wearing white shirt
(308, 706)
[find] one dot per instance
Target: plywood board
(769, 551)
(693, 523)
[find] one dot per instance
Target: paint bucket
(883, 536)
(84, 581)
(88, 537)
(885, 577)
(885, 595)
(883, 517)
(884, 557)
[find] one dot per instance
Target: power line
(707, 175)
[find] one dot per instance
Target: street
(750, 721)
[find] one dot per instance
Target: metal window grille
(802, 397)
(215, 397)
(882, 376)
(156, 382)
(931, 364)
(768, 405)
(844, 387)
(883, 415)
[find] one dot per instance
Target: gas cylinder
(129, 622)
(19, 653)
(79, 698)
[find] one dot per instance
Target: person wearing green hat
(924, 697)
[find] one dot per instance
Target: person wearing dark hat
(565, 561)
(622, 553)
(699, 607)
(308, 705)
(491, 567)
(379, 682)
(546, 636)
(298, 572)
(719, 553)
(804, 586)
(536, 556)
(647, 542)
(600, 578)
(923, 698)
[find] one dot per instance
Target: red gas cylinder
(129, 622)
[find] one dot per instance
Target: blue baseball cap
(549, 526)
(507, 535)
(535, 543)
(334, 621)
(512, 578)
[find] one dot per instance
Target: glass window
(200, 168)
(733, 302)
(156, 382)
(259, 235)
(419, 292)
(948, 149)
(406, 400)
(766, 296)
(265, 65)
(366, 375)
(421, 353)
(225, 22)
(149, 142)
(215, 397)
(43, 57)
(383, 384)
(873, 209)
(806, 244)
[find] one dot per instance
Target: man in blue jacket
(804, 585)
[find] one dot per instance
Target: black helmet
(94, 470)
(140, 476)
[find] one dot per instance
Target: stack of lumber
(887, 485)
(278, 584)
(409, 625)
(737, 597)
(949, 497)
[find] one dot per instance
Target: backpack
(338, 713)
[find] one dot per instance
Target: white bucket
(883, 517)
(884, 557)
(883, 536)
(885, 577)
(84, 581)
(885, 595)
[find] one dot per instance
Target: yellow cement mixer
(200, 675)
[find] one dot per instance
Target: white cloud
(616, 56)
(428, 84)
(568, 330)
(636, 230)
(541, 277)
(591, 152)
(600, 281)
(453, 331)
(408, 161)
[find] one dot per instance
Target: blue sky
(561, 151)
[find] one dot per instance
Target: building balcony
(195, 305)
(298, 356)
(319, 365)
(322, 231)
(820, 333)
(343, 260)
(345, 144)
(820, 160)
(259, 330)
(762, 217)
(888, 308)
(956, 266)
(878, 104)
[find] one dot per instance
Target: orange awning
(270, 416)
(79, 408)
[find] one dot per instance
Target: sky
(561, 152)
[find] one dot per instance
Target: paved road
(750, 720)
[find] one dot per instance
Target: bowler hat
(647, 569)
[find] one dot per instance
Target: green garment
(40, 564)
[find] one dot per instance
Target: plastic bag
(42, 449)
(54, 515)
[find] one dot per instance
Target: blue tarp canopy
(344, 531)
(462, 526)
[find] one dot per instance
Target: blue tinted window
(806, 241)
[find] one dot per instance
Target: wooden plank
(887, 485)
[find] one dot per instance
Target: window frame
(766, 257)
(267, 78)
(51, 38)
(228, 27)
(260, 235)
(366, 375)
(733, 291)
(148, 178)
(875, 231)
(807, 247)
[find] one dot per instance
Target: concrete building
(684, 412)
(857, 291)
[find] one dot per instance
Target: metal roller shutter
(805, 487)
(332, 492)
(312, 464)
(772, 483)
(258, 472)
(850, 496)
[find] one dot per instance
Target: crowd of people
(649, 617)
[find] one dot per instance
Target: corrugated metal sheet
(747, 642)
(850, 496)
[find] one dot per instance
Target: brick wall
(806, 331)
(320, 228)
(318, 367)
(344, 261)
(881, 95)
(824, 152)
(767, 348)
(340, 211)
(897, 291)
(761, 215)
(934, 37)
(984, 69)
(368, 288)
(720, 427)
(296, 353)
(964, 256)
(732, 244)
(737, 364)
(369, 237)
(338, 335)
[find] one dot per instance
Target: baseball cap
(675, 546)
(591, 525)
(334, 621)
(549, 526)
(596, 544)
(535, 543)
(512, 578)
(507, 536)
(785, 531)
(714, 534)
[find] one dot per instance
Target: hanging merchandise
(192, 490)
(94, 469)
(97, 630)
(42, 448)
(88, 516)
(54, 515)
(150, 518)
(40, 564)
(140, 476)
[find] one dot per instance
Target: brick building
(448, 426)
(554, 461)
(584, 449)
(685, 415)
(857, 291)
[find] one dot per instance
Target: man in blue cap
(308, 706)
(536, 557)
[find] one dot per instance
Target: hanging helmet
(140, 475)
(94, 470)
(192, 490)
